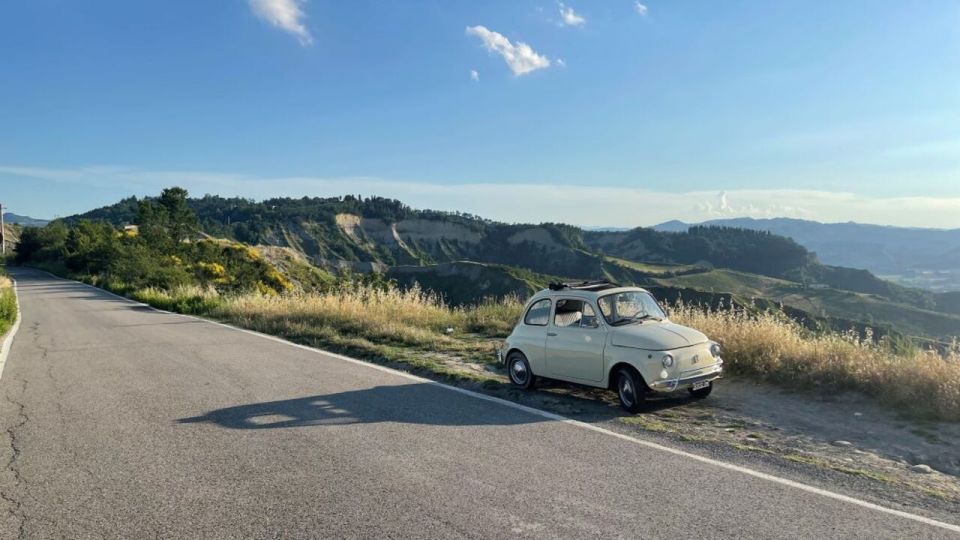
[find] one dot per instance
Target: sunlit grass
(771, 347)
(399, 317)
(191, 299)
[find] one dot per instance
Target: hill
(26, 221)
(360, 234)
(465, 257)
(928, 258)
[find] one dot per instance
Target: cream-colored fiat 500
(600, 334)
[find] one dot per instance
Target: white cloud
(524, 203)
(641, 9)
(561, 62)
(519, 56)
(569, 17)
(284, 14)
(474, 75)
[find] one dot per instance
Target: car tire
(701, 393)
(518, 369)
(630, 390)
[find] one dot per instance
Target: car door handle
(551, 334)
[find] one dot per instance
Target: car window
(589, 319)
(539, 313)
(569, 312)
(629, 306)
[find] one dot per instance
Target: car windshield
(629, 306)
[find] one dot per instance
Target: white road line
(563, 419)
(8, 341)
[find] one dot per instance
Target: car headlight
(667, 360)
(715, 350)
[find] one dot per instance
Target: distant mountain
(26, 221)
(672, 226)
(928, 258)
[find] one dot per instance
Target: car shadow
(420, 403)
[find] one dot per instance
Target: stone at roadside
(922, 469)
(842, 443)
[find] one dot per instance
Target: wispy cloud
(474, 75)
(576, 204)
(569, 17)
(640, 8)
(520, 57)
(287, 15)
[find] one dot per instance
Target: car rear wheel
(519, 371)
(630, 390)
(701, 393)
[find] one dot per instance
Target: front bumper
(688, 378)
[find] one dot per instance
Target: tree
(182, 222)
(168, 220)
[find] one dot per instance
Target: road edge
(8, 339)
(530, 410)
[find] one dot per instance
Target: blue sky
(609, 114)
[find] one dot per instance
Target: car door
(531, 334)
(575, 341)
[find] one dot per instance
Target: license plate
(700, 385)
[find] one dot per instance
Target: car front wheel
(519, 370)
(630, 390)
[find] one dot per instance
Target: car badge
(696, 358)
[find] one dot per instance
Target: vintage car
(600, 334)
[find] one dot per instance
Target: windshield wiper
(648, 317)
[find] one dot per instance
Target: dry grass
(416, 327)
(8, 304)
(413, 327)
(412, 317)
(771, 347)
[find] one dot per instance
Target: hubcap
(519, 372)
(626, 390)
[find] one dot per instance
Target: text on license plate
(700, 385)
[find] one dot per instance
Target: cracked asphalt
(123, 422)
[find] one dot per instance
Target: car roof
(584, 293)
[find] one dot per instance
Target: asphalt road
(124, 422)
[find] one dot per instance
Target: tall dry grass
(403, 317)
(414, 327)
(771, 347)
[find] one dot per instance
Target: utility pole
(3, 234)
